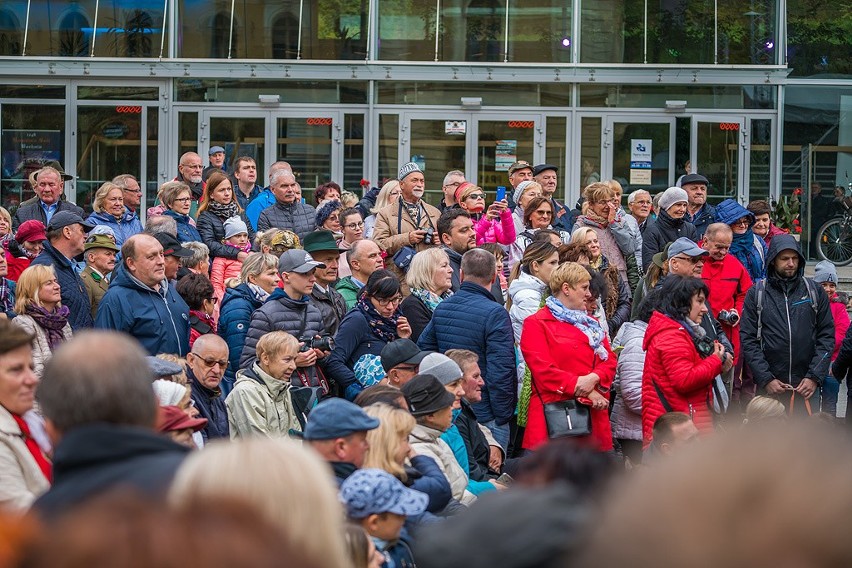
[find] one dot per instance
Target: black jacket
(95, 458)
(796, 340)
(210, 405)
(662, 230)
(31, 209)
(417, 314)
(478, 450)
(74, 293)
(331, 305)
(212, 231)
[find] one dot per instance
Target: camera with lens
(729, 317)
(323, 343)
(428, 238)
(705, 346)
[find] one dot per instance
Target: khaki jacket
(96, 286)
(21, 479)
(427, 442)
(260, 407)
(391, 233)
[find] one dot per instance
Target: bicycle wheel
(834, 241)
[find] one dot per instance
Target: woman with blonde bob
(41, 313)
(287, 484)
(391, 451)
(109, 210)
(387, 196)
(430, 279)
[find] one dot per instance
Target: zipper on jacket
(789, 341)
(172, 319)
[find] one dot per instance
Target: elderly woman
(258, 279)
(430, 278)
(355, 360)
(569, 358)
(387, 196)
(618, 233)
(24, 468)
(199, 262)
(747, 247)
(109, 210)
(352, 225)
(176, 200)
(492, 226)
(218, 204)
(669, 226)
(327, 192)
(681, 363)
(41, 313)
(260, 403)
(525, 191)
(328, 217)
(616, 298)
(537, 215)
(763, 226)
(27, 244)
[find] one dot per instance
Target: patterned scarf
(430, 298)
(51, 322)
(223, 211)
(5, 295)
(259, 292)
(244, 248)
(590, 218)
(582, 321)
(384, 328)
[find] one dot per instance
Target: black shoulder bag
(566, 418)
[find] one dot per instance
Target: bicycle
(834, 238)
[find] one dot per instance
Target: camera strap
(420, 213)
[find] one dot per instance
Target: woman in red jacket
(568, 356)
(681, 363)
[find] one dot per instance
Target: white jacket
(626, 417)
(21, 479)
(526, 292)
(427, 442)
(41, 350)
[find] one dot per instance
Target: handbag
(566, 418)
(402, 258)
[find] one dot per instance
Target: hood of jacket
(780, 243)
(660, 324)
(425, 434)
(241, 292)
(282, 296)
(257, 375)
(526, 282)
(177, 216)
(455, 258)
(629, 331)
(347, 283)
(122, 278)
(729, 211)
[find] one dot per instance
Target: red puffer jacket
(685, 379)
(728, 282)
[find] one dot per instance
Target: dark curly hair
(675, 296)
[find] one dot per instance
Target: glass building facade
(755, 94)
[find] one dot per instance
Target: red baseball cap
(172, 418)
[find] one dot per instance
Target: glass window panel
(438, 93)
(436, 152)
(747, 33)
(32, 91)
(500, 144)
(816, 45)
(32, 135)
(655, 96)
(108, 144)
(118, 93)
(188, 132)
(152, 174)
(624, 133)
(611, 32)
(555, 150)
(388, 147)
(12, 29)
(306, 144)
(590, 152)
(239, 137)
(353, 152)
(760, 160)
(718, 158)
(540, 31)
(247, 91)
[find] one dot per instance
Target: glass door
(240, 133)
(501, 142)
(717, 148)
(438, 144)
(638, 152)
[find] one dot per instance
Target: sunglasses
(476, 196)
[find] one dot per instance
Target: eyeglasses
(690, 259)
(743, 221)
(454, 184)
(183, 199)
(137, 191)
(546, 212)
(476, 196)
(386, 302)
(355, 226)
(211, 362)
(214, 300)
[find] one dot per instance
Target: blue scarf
(582, 321)
(743, 248)
(430, 298)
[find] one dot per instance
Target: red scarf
(35, 450)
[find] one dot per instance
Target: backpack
(761, 287)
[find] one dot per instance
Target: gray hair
(200, 253)
(98, 376)
(170, 190)
(634, 194)
(478, 265)
(161, 224)
(121, 180)
(451, 174)
(278, 174)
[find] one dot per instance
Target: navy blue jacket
(74, 293)
(158, 320)
(563, 219)
(472, 319)
(234, 319)
(210, 405)
(703, 219)
(185, 231)
(354, 338)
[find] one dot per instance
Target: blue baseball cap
(337, 418)
(685, 246)
(374, 491)
(215, 150)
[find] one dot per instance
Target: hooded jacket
(661, 231)
(747, 247)
(159, 320)
(673, 364)
(260, 405)
(186, 230)
(427, 441)
(626, 417)
(797, 341)
(297, 217)
(728, 282)
(349, 290)
(234, 319)
(74, 294)
(123, 228)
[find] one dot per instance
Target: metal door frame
(743, 154)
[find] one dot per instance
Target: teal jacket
(349, 290)
(454, 439)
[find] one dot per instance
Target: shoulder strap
(812, 293)
(666, 405)
(760, 287)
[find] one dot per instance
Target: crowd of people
(374, 376)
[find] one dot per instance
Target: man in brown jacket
(408, 222)
(100, 251)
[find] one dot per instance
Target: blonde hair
(170, 191)
(29, 283)
(581, 235)
(4, 213)
(468, 189)
(383, 199)
(599, 191)
(570, 273)
(394, 423)
(256, 263)
(761, 408)
(616, 187)
(286, 483)
(101, 195)
(422, 269)
(274, 343)
(528, 186)
(348, 199)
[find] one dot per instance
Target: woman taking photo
(40, 312)
(355, 361)
(109, 211)
(615, 299)
(176, 199)
(387, 196)
(430, 278)
(218, 204)
(492, 226)
(569, 358)
(258, 279)
(24, 469)
(681, 363)
(352, 225)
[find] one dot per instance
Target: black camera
(429, 237)
(704, 345)
(323, 343)
(728, 317)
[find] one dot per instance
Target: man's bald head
(208, 360)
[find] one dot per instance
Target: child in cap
(825, 273)
(236, 236)
(380, 504)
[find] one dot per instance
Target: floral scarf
(223, 211)
(582, 321)
(51, 322)
(245, 248)
(430, 298)
(384, 328)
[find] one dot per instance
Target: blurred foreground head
(774, 496)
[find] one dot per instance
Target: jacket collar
(209, 393)
(425, 433)
(274, 386)
(8, 424)
(476, 289)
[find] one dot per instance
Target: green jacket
(260, 405)
(349, 290)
